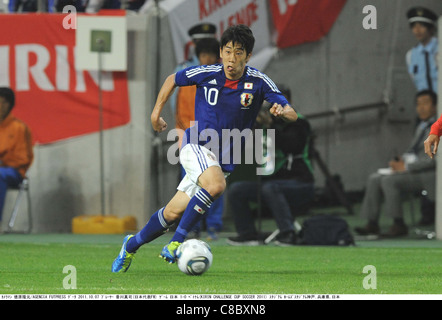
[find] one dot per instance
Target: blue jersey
(224, 107)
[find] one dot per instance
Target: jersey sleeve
(182, 77)
(436, 128)
(192, 75)
(271, 92)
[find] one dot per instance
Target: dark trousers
(280, 196)
(9, 178)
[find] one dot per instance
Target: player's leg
(211, 184)
(213, 181)
(158, 224)
(213, 218)
(160, 221)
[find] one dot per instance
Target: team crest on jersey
(246, 99)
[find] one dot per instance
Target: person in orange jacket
(207, 52)
(16, 152)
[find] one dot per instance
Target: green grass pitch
(33, 264)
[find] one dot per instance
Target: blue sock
(197, 207)
(156, 226)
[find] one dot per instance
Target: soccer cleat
(169, 251)
(124, 259)
(254, 239)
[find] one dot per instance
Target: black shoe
(426, 221)
(287, 238)
(368, 229)
(247, 240)
(396, 230)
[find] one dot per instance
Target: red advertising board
(300, 21)
(37, 60)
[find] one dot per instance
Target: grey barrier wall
(349, 68)
(353, 66)
(65, 176)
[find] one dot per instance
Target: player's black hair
(239, 34)
(207, 45)
(8, 95)
(430, 93)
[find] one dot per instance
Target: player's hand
(159, 125)
(277, 110)
(431, 141)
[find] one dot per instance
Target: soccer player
(229, 96)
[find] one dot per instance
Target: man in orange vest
(207, 52)
(16, 152)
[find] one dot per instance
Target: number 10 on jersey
(211, 95)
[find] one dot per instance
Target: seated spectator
(93, 6)
(80, 5)
(289, 187)
(31, 6)
(22, 6)
(411, 173)
(16, 153)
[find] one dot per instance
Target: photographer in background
(289, 187)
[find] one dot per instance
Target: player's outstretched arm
(287, 113)
(166, 91)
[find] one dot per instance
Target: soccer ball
(194, 257)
